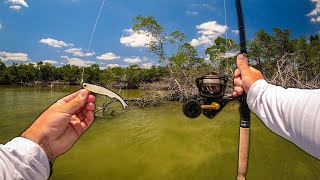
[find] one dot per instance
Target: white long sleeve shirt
(291, 113)
(21, 158)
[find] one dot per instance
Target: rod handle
(243, 153)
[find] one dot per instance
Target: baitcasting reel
(211, 89)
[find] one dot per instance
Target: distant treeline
(286, 61)
(129, 77)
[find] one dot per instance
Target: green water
(157, 142)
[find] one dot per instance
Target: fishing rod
(212, 99)
(244, 137)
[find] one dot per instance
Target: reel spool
(212, 99)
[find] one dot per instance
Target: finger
(239, 90)
(90, 117)
(74, 131)
(70, 97)
(67, 98)
(81, 116)
(242, 62)
(237, 82)
(91, 98)
(90, 106)
(76, 103)
(237, 73)
(75, 118)
(235, 94)
(88, 121)
(84, 113)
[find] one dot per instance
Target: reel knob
(192, 108)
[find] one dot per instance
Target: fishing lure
(103, 91)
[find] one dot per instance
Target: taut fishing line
(93, 88)
(225, 24)
(90, 41)
(225, 20)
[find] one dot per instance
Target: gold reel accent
(213, 106)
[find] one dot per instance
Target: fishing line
(225, 20)
(228, 41)
(90, 41)
(225, 24)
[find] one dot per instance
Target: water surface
(157, 142)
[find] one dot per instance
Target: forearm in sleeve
(21, 158)
(291, 113)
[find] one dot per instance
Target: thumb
(242, 63)
(76, 103)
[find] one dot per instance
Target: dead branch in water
(149, 99)
(105, 109)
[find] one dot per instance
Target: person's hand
(244, 76)
(61, 125)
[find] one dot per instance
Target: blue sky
(58, 31)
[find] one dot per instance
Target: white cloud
(192, 13)
(208, 32)
(235, 31)
(108, 56)
(49, 61)
(110, 66)
(0, 26)
(7, 56)
(134, 39)
(64, 57)
(73, 50)
(147, 65)
(15, 7)
(230, 54)
(315, 13)
(132, 60)
(209, 7)
(19, 2)
(79, 62)
(55, 43)
(113, 65)
(203, 6)
(78, 52)
(315, 20)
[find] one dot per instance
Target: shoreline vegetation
(284, 61)
(32, 75)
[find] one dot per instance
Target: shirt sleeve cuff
(30, 153)
(254, 90)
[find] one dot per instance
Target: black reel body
(211, 99)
